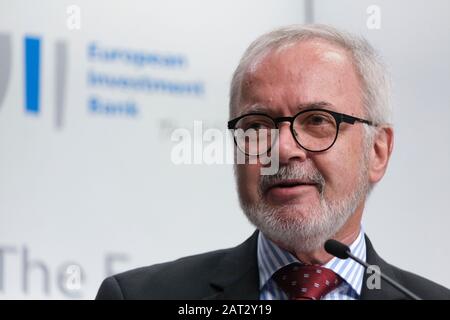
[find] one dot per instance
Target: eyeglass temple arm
(231, 124)
(352, 120)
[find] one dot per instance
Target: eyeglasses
(315, 130)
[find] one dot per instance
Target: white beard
(308, 230)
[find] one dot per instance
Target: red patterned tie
(302, 282)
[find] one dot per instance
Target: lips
(290, 183)
(285, 191)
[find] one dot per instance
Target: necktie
(306, 282)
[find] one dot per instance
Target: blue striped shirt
(271, 258)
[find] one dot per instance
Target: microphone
(342, 251)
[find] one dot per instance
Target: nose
(289, 150)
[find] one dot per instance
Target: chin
(297, 227)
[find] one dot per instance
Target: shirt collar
(271, 258)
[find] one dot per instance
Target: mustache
(305, 172)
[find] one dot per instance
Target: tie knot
(306, 282)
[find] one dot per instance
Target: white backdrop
(91, 187)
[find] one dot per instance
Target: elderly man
(323, 95)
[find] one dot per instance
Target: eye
(315, 120)
(258, 126)
(255, 122)
(318, 119)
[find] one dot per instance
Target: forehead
(306, 72)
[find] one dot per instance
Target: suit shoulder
(424, 288)
(185, 277)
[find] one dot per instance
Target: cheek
(340, 168)
(248, 181)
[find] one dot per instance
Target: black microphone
(342, 251)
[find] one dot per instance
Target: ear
(382, 146)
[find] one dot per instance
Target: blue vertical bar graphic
(32, 64)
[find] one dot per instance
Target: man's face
(309, 72)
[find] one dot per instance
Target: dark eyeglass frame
(338, 117)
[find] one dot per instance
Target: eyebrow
(260, 108)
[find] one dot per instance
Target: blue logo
(32, 53)
(32, 73)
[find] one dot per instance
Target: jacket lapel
(387, 292)
(237, 275)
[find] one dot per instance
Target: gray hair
(369, 66)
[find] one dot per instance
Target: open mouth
(290, 184)
(289, 189)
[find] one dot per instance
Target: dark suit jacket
(233, 274)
